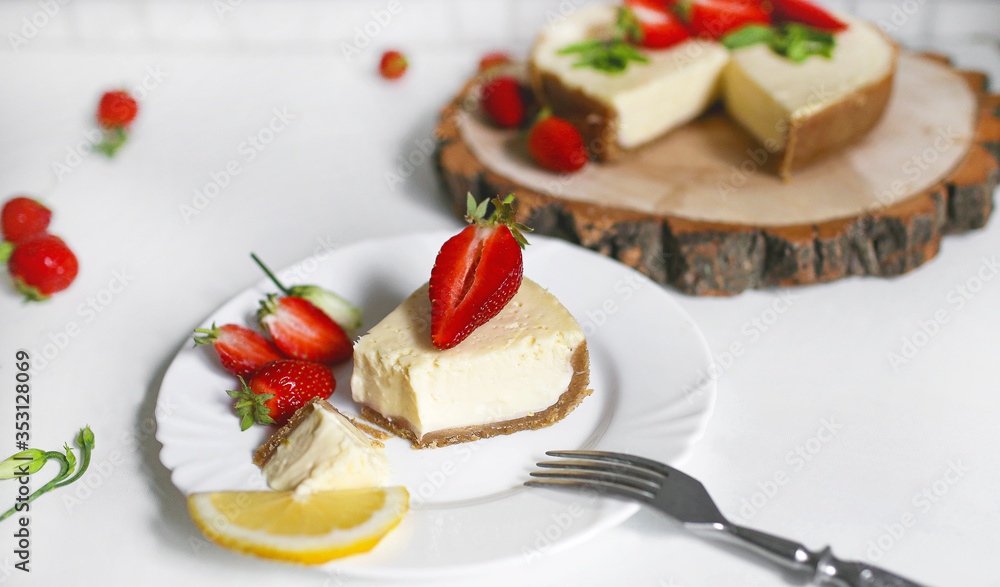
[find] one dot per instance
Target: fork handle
(825, 568)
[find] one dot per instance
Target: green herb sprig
(32, 460)
(794, 41)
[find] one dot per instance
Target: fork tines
(604, 472)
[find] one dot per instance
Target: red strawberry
(476, 272)
(22, 218)
(501, 99)
(42, 266)
(392, 65)
(715, 18)
(556, 145)
(117, 109)
(278, 389)
(807, 13)
(493, 59)
(241, 350)
(650, 23)
(303, 331)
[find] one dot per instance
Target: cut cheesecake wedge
(802, 111)
(799, 112)
(621, 111)
(321, 449)
(524, 369)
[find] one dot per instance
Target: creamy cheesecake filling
(766, 92)
(325, 451)
(648, 99)
(516, 364)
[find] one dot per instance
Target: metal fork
(685, 499)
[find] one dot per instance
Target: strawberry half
(476, 272)
(806, 13)
(650, 23)
(303, 331)
(241, 350)
(715, 18)
(278, 389)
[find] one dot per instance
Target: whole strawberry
(502, 101)
(241, 350)
(115, 112)
(303, 331)
(41, 266)
(556, 145)
(392, 65)
(278, 389)
(116, 109)
(22, 218)
(476, 272)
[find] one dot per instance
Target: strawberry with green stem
(30, 461)
(341, 311)
(280, 388)
(241, 350)
(115, 113)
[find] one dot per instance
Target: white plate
(468, 508)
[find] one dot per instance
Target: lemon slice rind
(306, 549)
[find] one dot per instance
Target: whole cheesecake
(526, 368)
(798, 111)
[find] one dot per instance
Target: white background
(214, 78)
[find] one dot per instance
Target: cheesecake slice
(800, 112)
(621, 111)
(526, 368)
(321, 449)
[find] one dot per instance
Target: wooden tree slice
(695, 209)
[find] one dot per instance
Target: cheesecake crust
(836, 126)
(577, 390)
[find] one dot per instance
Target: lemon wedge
(311, 528)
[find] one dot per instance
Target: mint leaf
(609, 56)
(794, 41)
(748, 35)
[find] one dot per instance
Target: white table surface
(822, 360)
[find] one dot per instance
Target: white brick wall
(306, 25)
